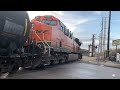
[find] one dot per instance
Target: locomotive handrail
(41, 40)
(47, 44)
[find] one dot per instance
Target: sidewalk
(93, 60)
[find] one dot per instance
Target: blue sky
(85, 23)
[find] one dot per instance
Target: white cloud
(71, 20)
(85, 42)
(32, 14)
(115, 35)
(68, 19)
(73, 23)
(97, 12)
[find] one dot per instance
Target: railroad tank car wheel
(52, 62)
(66, 59)
(79, 56)
(14, 69)
(38, 67)
(37, 63)
(60, 61)
(41, 66)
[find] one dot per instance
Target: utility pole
(89, 48)
(108, 42)
(98, 55)
(93, 44)
(100, 42)
(104, 41)
(99, 45)
(116, 48)
(101, 37)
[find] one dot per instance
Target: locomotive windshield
(49, 22)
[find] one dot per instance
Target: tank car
(14, 31)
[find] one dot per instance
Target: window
(43, 21)
(62, 26)
(59, 26)
(68, 32)
(37, 18)
(48, 16)
(65, 31)
(71, 35)
(49, 22)
(60, 44)
(53, 23)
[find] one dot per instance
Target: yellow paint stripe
(25, 27)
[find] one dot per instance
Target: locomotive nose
(40, 26)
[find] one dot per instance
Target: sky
(84, 24)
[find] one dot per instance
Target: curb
(82, 61)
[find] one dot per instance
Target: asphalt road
(73, 70)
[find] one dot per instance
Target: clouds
(69, 19)
(97, 12)
(73, 23)
(79, 22)
(32, 14)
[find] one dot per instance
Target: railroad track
(28, 70)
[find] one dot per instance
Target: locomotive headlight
(33, 25)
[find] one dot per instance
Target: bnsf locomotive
(44, 40)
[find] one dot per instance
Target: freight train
(44, 40)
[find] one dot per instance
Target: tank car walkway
(72, 70)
